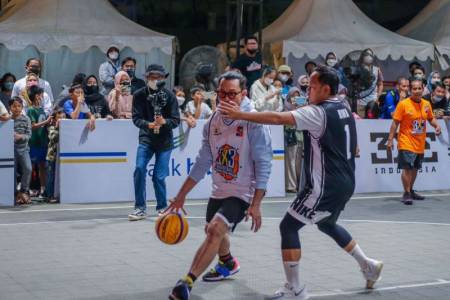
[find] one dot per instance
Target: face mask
(131, 72)
(304, 88)
(418, 76)
(91, 89)
(268, 81)
(153, 84)
(331, 62)
(434, 80)
(180, 100)
(438, 99)
(283, 77)
(113, 55)
(35, 70)
(252, 51)
(8, 85)
(125, 88)
(368, 60)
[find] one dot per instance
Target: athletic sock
(227, 260)
(359, 256)
(292, 274)
(192, 277)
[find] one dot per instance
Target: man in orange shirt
(411, 114)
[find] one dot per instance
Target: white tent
(432, 25)
(73, 36)
(309, 29)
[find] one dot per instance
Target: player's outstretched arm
(232, 111)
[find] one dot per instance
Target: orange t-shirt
(413, 118)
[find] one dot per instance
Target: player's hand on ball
(255, 213)
(176, 204)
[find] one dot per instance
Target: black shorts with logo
(409, 160)
(232, 210)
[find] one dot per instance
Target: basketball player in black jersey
(330, 148)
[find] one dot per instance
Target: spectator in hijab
(439, 102)
(181, 99)
(7, 84)
(33, 65)
(376, 86)
(310, 66)
(285, 76)
(250, 63)
(79, 78)
(433, 78)
(129, 66)
(197, 108)
(33, 80)
(302, 85)
(120, 98)
(95, 101)
(264, 95)
(76, 107)
(109, 69)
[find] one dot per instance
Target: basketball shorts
(231, 210)
(409, 160)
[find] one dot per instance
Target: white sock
(292, 274)
(359, 256)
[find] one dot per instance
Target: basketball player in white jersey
(240, 155)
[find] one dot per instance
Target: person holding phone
(264, 95)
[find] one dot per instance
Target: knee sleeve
(289, 228)
(337, 233)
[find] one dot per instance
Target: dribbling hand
(175, 205)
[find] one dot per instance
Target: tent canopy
(314, 27)
(78, 25)
(431, 25)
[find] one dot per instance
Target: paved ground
(93, 252)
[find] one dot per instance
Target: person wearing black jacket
(95, 101)
(156, 114)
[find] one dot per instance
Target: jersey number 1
(347, 137)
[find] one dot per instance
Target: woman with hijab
(264, 96)
(432, 79)
(95, 101)
(120, 99)
(302, 85)
(33, 80)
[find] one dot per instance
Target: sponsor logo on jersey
(227, 162)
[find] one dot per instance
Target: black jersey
(329, 160)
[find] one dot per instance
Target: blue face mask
(8, 85)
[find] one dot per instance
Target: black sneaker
(416, 196)
(407, 199)
(182, 289)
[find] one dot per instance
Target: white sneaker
(372, 272)
(287, 292)
(137, 215)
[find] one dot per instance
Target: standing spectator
(52, 153)
(433, 78)
(33, 65)
(419, 73)
(446, 83)
(393, 97)
(310, 66)
(155, 138)
(109, 69)
(303, 84)
(129, 66)
(33, 80)
(376, 88)
(38, 142)
(95, 101)
(4, 115)
(332, 61)
(197, 108)
(76, 108)
(413, 66)
(285, 76)
(411, 115)
(439, 102)
(7, 84)
(264, 95)
(250, 63)
(120, 98)
(181, 99)
(22, 134)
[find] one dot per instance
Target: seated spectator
(285, 76)
(38, 142)
(52, 153)
(439, 102)
(33, 80)
(33, 66)
(197, 107)
(120, 99)
(95, 101)
(264, 95)
(433, 78)
(446, 83)
(7, 84)
(22, 134)
(76, 107)
(393, 97)
(129, 66)
(181, 99)
(310, 66)
(109, 69)
(4, 115)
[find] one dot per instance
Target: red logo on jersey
(240, 131)
(227, 162)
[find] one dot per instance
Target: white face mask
(283, 77)
(113, 55)
(153, 84)
(331, 62)
(368, 60)
(438, 98)
(418, 76)
(268, 81)
(434, 80)
(180, 100)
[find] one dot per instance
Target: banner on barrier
(98, 166)
(7, 163)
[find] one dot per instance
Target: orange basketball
(171, 228)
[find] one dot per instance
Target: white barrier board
(7, 163)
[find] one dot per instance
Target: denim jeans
(160, 172)
(50, 188)
(23, 163)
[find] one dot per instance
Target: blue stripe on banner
(278, 151)
(94, 154)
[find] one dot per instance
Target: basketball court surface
(93, 252)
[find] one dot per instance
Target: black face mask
(131, 72)
(91, 89)
(304, 88)
(35, 70)
(252, 51)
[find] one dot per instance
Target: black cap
(156, 69)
